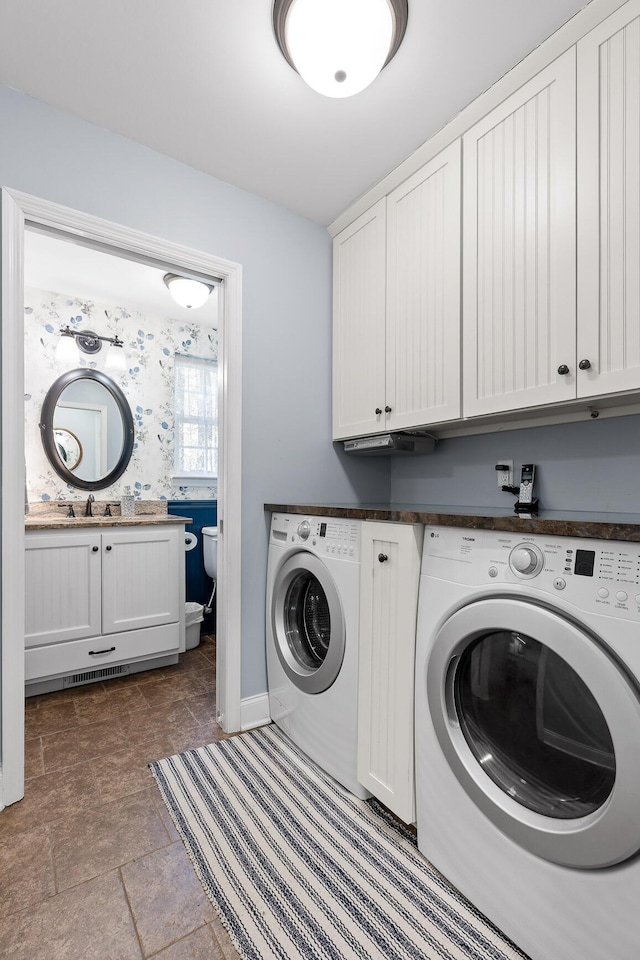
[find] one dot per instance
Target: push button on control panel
(603, 593)
(559, 583)
(621, 596)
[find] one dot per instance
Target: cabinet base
(100, 674)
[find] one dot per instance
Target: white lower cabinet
(102, 598)
(390, 574)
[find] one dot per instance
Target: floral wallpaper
(150, 343)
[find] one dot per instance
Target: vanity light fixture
(339, 46)
(186, 292)
(91, 343)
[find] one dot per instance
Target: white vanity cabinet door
(423, 295)
(388, 611)
(519, 247)
(609, 204)
(63, 587)
(359, 284)
(141, 577)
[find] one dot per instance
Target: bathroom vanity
(105, 597)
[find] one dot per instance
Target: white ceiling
(204, 82)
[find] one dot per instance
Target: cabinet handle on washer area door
(585, 365)
(95, 653)
(95, 549)
(387, 409)
(382, 557)
(378, 411)
(108, 547)
(563, 369)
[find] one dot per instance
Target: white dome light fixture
(186, 292)
(339, 46)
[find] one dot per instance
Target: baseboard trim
(254, 711)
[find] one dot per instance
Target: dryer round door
(541, 727)
(308, 623)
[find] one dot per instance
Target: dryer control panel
(325, 536)
(598, 575)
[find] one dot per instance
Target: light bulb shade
(116, 359)
(186, 292)
(67, 350)
(339, 46)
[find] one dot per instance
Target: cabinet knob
(108, 546)
(95, 549)
(563, 369)
(378, 411)
(585, 365)
(387, 409)
(382, 557)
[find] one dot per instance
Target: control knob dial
(304, 529)
(526, 560)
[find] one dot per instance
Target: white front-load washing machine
(313, 595)
(528, 735)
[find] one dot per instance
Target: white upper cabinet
(423, 295)
(359, 287)
(519, 209)
(609, 205)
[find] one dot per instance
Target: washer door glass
(307, 620)
(308, 623)
(533, 725)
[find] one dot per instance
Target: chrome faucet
(87, 509)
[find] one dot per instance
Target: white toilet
(210, 553)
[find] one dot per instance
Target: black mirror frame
(46, 427)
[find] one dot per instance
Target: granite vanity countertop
(56, 522)
(560, 523)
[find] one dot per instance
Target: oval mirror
(87, 429)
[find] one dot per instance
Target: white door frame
(19, 209)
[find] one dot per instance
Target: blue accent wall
(203, 513)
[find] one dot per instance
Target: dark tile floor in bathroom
(91, 866)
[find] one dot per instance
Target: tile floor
(91, 866)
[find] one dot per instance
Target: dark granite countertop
(561, 523)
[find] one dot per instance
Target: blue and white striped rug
(297, 867)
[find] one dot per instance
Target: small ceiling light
(186, 292)
(339, 46)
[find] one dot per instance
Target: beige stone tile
(49, 718)
(90, 922)
(64, 696)
(165, 816)
(229, 952)
(170, 689)
(83, 742)
(50, 797)
(203, 708)
(200, 945)
(127, 771)
(166, 897)
(33, 760)
(188, 661)
(26, 870)
(196, 736)
(111, 834)
(111, 705)
(159, 721)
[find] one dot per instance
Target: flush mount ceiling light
(186, 292)
(339, 46)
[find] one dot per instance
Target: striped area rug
(299, 868)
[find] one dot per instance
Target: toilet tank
(210, 551)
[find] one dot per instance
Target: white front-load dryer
(312, 622)
(528, 735)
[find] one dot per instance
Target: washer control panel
(598, 575)
(325, 536)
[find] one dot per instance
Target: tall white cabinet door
(390, 574)
(63, 583)
(359, 284)
(519, 260)
(609, 204)
(423, 295)
(140, 572)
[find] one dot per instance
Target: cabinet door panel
(359, 266)
(388, 608)
(62, 576)
(141, 585)
(423, 295)
(519, 247)
(609, 204)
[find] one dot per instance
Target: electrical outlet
(505, 476)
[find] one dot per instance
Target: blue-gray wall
(287, 450)
(588, 466)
